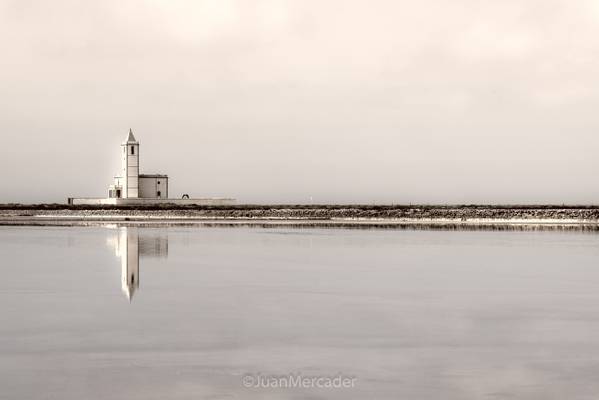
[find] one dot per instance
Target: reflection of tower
(130, 245)
(128, 249)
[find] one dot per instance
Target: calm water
(185, 313)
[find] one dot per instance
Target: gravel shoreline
(305, 215)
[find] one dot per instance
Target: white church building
(130, 184)
(132, 188)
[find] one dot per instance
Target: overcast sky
(280, 101)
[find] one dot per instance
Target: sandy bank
(325, 216)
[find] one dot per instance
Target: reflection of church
(130, 244)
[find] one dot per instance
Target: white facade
(153, 186)
(131, 188)
(130, 184)
(130, 167)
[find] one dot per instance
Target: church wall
(153, 187)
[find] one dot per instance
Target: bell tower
(130, 167)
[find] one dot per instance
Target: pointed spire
(131, 138)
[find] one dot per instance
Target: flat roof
(152, 176)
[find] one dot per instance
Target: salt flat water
(189, 313)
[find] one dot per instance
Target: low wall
(210, 201)
(91, 201)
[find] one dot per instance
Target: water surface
(185, 313)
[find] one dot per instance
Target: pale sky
(274, 101)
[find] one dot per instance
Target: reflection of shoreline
(504, 225)
(130, 245)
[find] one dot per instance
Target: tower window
(133, 150)
(158, 193)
